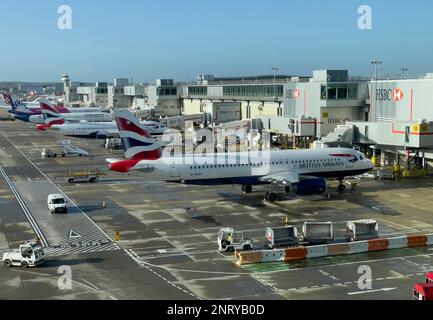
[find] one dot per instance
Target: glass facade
(197, 91)
(343, 91)
(254, 91)
(172, 91)
(101, 90)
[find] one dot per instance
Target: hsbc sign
(293, 94)
(389, 94)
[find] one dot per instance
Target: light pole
(376, 64)
(403, 70)
(275, 69)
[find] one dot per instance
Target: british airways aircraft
(300, 172)
(86, 127)
(52, 116)
(31, 111)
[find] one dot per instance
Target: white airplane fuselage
(95, 129)
(224, 169)
(78, 116)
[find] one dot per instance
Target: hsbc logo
(397, 95)
(389, 94)
(293, 94)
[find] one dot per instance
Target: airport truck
(281, 237)
(423, 291)
(90, 175)
(429, 277)
(29, 254)
(230, 240)
(113, 143)
(317, 232)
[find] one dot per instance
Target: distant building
(28, 88)
(116, 94)
(164, 95)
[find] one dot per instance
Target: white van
(57, 203)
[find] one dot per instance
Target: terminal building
(330, 106)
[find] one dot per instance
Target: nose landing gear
(341, 186)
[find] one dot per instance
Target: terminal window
(254, 90)
(167, 91)
(197, 91)
(341, 91)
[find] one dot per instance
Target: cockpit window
(361, 157)
(354, 159)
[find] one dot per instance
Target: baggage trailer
(317, 232)
(281, 237)
(362, 230)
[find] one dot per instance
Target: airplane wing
(285, 178)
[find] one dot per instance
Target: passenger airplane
(32, 111)
(22, 111)
(300, 171)
(56, 121)
(53, 116)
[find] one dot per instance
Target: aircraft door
(175, 170)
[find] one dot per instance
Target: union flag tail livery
(137, 142)
(7, 98)
(51, 116)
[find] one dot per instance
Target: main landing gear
(270, 196)
(247, 188)
(341, 186)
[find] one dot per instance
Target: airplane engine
(309, 186)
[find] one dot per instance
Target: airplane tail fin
(138, 144)
(17, 104)
(51, 116)
(7, 98)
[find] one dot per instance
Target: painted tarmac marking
(136, 258)
(399, 225)
(327, 274)
(371, 291)
(344, 284)
(24, 208)
(73, 234)
(90, 284)
(68, 249)
(346, 263)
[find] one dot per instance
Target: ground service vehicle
(29, 254)
(57, 203)
(113, 143)
(429, 277)
(281, 237)
(90, 175)
(48, 153)
(230, 240)
(423, 291)
(362, 230)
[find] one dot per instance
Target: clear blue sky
(145, 40)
